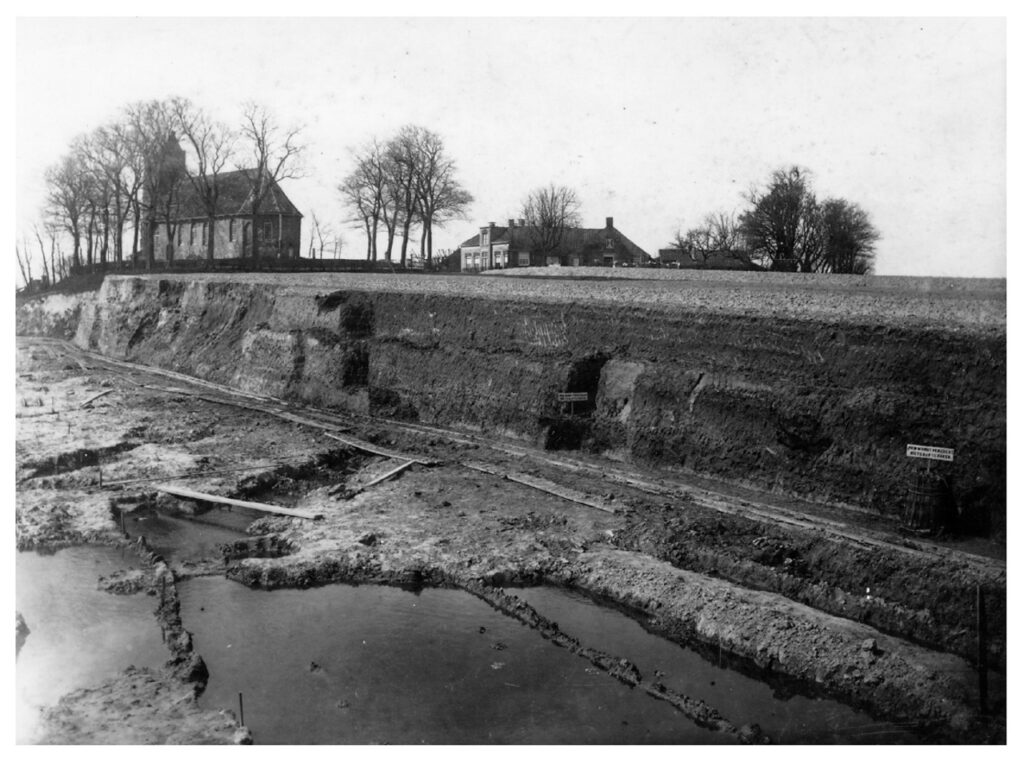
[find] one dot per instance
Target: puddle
(740, 699)
(78, 635)
(183, 538)
(372, 664)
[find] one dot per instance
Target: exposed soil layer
(784, 599)
(809, 390)
(927, 599)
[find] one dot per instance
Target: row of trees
(132, 171)
(407, 180)
(786, 227)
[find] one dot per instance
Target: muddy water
(368, 664)
(79, 636)
(183, 538)
(740, 699)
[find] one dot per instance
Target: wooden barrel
(926, 508)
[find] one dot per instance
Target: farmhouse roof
(518, 238)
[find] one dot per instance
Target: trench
(370, 664)
(366, 664)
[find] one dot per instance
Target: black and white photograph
(441, 377)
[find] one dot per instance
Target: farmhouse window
(192, 233)
(268, 230)
(231, 230)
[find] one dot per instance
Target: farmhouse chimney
(511, 223)
(522, 222)
(608, 222)
(490, 224)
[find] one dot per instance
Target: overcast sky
(655, 122)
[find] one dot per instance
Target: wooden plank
(573, 397)
(195, 495)
(544, 485)
(95, 397)
(283, 415)
(384, 452)
(383, 477)
(388, 475)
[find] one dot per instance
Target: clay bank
(723, 459)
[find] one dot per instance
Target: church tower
(164, 172)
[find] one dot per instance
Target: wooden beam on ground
(384, 452)
(388, 475)
(195, 495)
(544, 485)
(283, 415)
(95, 397)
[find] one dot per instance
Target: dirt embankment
(795, 398)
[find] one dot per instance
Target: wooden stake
(95, 397)
(982, 654)
(241, 711)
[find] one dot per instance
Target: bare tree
(275, 152)
(320, 235)
(403, 161)
(67, 188)
(212, 147)
(101, 197)
(718, 235)
(548, 213)
(111, 157)
(47, 275)
(152, 124)
(24, 256)
(781, 225)
(440, 196)
(848, 238)
(365, 193)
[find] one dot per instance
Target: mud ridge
(362, 570)
(905, 597)
(69, 462)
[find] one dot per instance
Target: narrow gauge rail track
(794, 517)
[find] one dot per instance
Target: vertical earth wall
(814, 407)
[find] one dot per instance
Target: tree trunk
(106, 238)
(76, 236)
(136, 221)
(406, 225)
(89, 240)
(211, 224)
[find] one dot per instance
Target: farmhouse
(182, 222)
(515, 245)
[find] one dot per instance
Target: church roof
(234, 197)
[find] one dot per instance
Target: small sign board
(932, 453)
(573, 397)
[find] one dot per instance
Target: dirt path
(841, 605)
